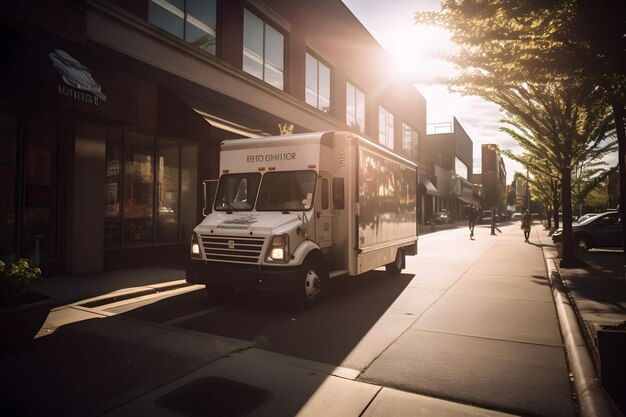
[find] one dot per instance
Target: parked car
(516, 216)
(602, 230)
(441, 218)
(485, 217)
(585, 217)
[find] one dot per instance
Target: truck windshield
(237, 192)
(286, 190)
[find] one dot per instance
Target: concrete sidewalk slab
(393, 403)
(295, 390)
(503, 287)
(510, 320)
(511, 377)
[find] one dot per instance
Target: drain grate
(214, 397)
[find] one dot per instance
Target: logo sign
(79, 84)
(231, 244)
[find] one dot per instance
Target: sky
(413, 50)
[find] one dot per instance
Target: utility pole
(527, 191)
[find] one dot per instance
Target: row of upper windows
(263, 57)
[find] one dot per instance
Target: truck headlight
(195, 246)
(278, 251)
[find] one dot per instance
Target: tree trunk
(555, 204)
(566, 198)
(618, 112)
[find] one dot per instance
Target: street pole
(527, 191)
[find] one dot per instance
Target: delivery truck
(291, 212)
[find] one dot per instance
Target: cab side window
(338, 194)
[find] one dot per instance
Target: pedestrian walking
(526, 221)
(472, 214)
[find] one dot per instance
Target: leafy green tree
(559, 129)
(577, 44)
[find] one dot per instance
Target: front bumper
(242, 276)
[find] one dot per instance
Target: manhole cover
(214, 397)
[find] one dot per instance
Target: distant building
(447, 152)
(493, 178)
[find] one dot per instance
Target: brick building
(111, 113)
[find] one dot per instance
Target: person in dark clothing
(472, 214)
(526, 222)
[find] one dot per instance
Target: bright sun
(415, 51)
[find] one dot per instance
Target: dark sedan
(603, 230)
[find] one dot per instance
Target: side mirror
(209, 188)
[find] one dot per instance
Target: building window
(385, 127)
(317, 84)
(409, 140)
(150, 190)
(263, 50)
(355, 108)
(191, 20)
(460, 168)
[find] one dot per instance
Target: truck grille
(239, 249)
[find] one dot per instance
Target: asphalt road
(470, 321)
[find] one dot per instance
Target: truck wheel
(218, 293)
(395, 267)
(312, 276)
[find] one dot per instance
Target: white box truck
(292, 211)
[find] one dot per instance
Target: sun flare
(415, 51)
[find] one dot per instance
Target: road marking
(196, 314)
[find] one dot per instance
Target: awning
(229, 126)
(467, 200)
(228, 118)
(430, 188)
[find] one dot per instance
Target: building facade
(111, 113)
(447, 153)
(493, 179)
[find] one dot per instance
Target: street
(470, 321)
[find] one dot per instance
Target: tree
(559, 129)
(580, 44)
(587, 178)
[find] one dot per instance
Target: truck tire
(218, 293)
(395, 267)
(312, 277)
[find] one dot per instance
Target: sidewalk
(88, 362)
(592, 297)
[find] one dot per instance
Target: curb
(589, 392)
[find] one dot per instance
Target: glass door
(39, 226)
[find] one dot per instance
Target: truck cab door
(324, 212)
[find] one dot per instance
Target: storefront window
(188, 191)
(8, 131)
(167, 190)
(113, 190)
(151, 190)
(138, 188)
(39, 224)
